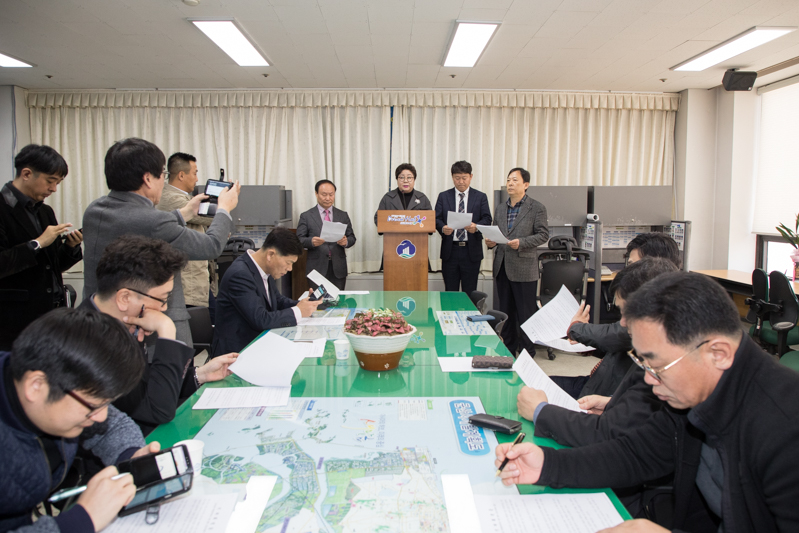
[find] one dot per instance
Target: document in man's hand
(552, 321)
(458, 220)
(332, 232)
(492, 233)
(534, 377)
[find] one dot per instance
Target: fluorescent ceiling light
(468, 43)
(230, 39)
(6, 61)
(751, 38)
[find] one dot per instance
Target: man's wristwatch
(35, 245)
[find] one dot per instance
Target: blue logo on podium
(406, 249)
(406, 306)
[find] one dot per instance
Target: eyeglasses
(406, 178)
(165, 173)
(656, 373)
(159, 300)
(93, 409)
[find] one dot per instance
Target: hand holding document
(549, 325)
(332, 232)
(459, 220)
(270, 361)
(319, 279)
(492, 233)
(534, 377)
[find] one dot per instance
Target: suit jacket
(614, 342)
(26, 276)
(199, 276)
(530, 227)
(242, 309)
(309, 226)
(477, 205)
(391, 200)
(125, 213)
(168, 376)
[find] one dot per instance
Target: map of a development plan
(353, 465)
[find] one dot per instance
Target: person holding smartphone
(55, 392)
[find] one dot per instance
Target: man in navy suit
(249, 302)
(461, 250)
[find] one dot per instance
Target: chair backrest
(70, 294)
(758, 310)
(499, 320)
(234, 248)
(479, 300)
(202, 331)
(555, 274)
(781, 293)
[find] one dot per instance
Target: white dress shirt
(265, 277)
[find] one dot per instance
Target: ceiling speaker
(735, 80)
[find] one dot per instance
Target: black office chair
(202, 331)
(234, 248)
(562, 265)
(479, 300)
(499, 320)
(70, 294)
(783, 320)
(758, 303)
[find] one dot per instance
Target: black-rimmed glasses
(163, 302)
(93, 409)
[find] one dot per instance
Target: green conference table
(419, 374)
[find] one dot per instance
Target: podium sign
(405, 236)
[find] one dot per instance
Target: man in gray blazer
(524, 222)
(134, 171)
(327, 258)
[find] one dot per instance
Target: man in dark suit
(524, 222)
(327, 258)
(135, 276)
(134, 171)
(249, 302)
(33, 253)
(461, 250)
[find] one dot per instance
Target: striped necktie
(461, 233)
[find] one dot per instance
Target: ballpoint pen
(517, 440)
(63, 494)
(141, 314)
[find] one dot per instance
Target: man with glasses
(134, 171)
(729, 432)
(462, 249)
(55, 390)
(135, 277)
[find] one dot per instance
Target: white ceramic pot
(380, 344)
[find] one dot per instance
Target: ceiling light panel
(751, 38)
(232, 41)
(468, 43)
(6, 61)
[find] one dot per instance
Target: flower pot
(379, 353)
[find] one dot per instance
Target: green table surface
(418, 374)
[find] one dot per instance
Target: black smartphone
(214, 187)
(158, 477)
(318, 294)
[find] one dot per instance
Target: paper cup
(195, 448)
(342, 349)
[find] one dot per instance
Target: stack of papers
(535, 378)
(549, 325)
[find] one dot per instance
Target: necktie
(461, 233)
(327, 218)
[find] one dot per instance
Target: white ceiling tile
(358, 70)
(678, 6)
(421, 75)
(594, 6)
(769, 8)
(564, 25)
(350, 39)
(487, 4)
(482, 14)
(426, 55)
(437, 11)
(391, 13)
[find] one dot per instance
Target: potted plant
(792, 236)
(378, 338)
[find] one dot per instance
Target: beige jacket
(198, 276)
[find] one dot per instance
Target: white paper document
(322, 321)
(534, 377)
(464, 364)
(552, 321)
(458, 496)
(236, 397)
(546, 513)
(565, 346)
(332, 232)
(193, 514)
(248, 513)
(270, 361)
(312, 348)
(492, 233)
(319, 279)
(458, 220)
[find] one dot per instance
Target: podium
(405, 236)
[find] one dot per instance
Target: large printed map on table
(353, 464)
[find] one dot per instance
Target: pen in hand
(141, 314)
(63, 494)
(517, 440)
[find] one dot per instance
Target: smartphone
(158, 477)
(214, 187)
(318, 294)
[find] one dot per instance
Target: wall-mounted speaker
(736, 80)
